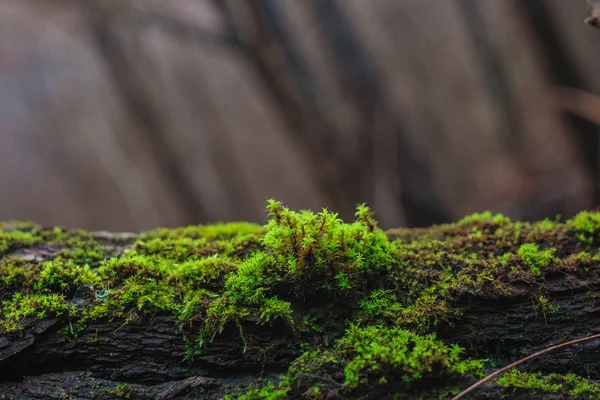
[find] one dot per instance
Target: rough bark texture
(141, 352)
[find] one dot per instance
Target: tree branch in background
(380, 122)
(102, 17)
(578, 102)
(280, 69)
(563, 70)
(344, 172)
(594, 19)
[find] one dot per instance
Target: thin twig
(521, 361)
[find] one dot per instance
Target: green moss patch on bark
(357, 309)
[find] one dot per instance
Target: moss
(587, 221)
(546, 306)
(314, 256)
(308, 276)
(371, 359)
(394, 351)
(16, 274)
(421, 313)
(20, 308)
(318, 254)
(123, 391)
(64, 276)
(486, 216)
(219, 231)
(571, 385)
(12, 239)
(534, 258)
(179, 244)
(546, 225)
(587, 226)
(268, 391)
(209, 273)
(91, 254)
(246, 295)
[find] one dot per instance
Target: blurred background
(128, 115)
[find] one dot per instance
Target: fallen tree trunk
(304, 307)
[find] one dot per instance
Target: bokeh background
(128, 115)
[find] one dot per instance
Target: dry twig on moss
(521, 361)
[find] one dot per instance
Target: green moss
(117, 270)
(64, 276)
(569, 384)
(546, 225)
(308, 276)
(16, 274)
(422, 313)
(19, 308)
(336, 256)
(587, 221)
(13, 239)
(90, 254)
(267, 391)
(209, 272)
(313, 255)
(398, 353)
(372, 358)
(220, 231)
(73, 243)
(587, 225)
(123, 391)
(197, 241)
(547, 306)
(506, 259)
(486, 216)
(247, 295)
(534, 258)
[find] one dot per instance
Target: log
(306, 306)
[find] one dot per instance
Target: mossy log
(304, 307)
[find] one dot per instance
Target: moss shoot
(373, 299)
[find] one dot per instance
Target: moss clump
(12, 239)
(388, 352)
(230, 239)
(587, 222)
(16, 274)
(21, 308)
(320, 255)
(485, 217)
(306, 257)
(205, 273)
(372, 360)
(534, 258)
(570, 385)
(123, 391)
(61, 276)
(246, 295)
(587, 226)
